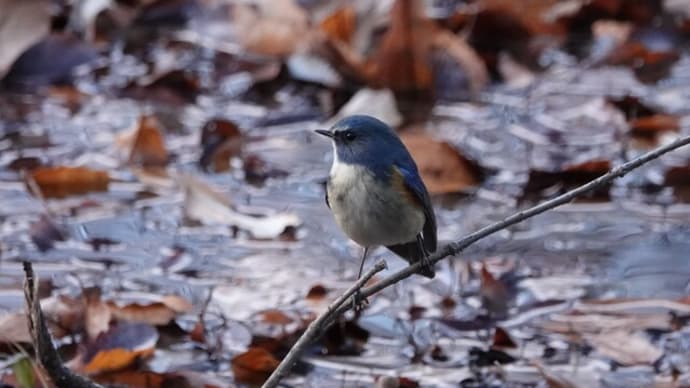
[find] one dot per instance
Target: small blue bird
(375, 191)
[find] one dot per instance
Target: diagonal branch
(317, 325)
(46, 353)
(456, 247)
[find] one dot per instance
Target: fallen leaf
(97, 315)
(276, 317)
(253, 366)
(317, 292)
(205, 205)
(626, 348)
(522, 29)
(14, 329)
(158, 311)
(175, 87)
(402, 61)
(148, 379)
(493, 292)
(273, 27)
(119, 347)
(652, 125)
(60, 182)
(148, 147)
(470, 65)
(221, 140)
(24, 23)
(256, 170)
(443, 169)
(502, 339)
(341, 24)
(649, 66)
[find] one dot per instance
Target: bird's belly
(369, 213)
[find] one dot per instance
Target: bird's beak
(324, 132)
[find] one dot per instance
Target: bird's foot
(358, 302)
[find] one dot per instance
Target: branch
(315, 327)
(456, 247)
(47, 356)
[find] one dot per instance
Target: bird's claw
(358, 302)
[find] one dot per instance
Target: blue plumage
(376, 193)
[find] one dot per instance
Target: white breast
(368, 211)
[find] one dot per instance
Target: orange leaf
(60, 182)
(119, 347)
(653, 124)
(253, 366)
(401, 62)
(148, 149)
(115, 359)
(340, 26)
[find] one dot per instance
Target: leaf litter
(511, 104)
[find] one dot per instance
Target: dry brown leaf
(493, 292)
(625, 347)
(273, 27)
(221, 140)
(97, 315)
(465, 55)
(14, 329)
(649, 66)
(443, 168)
(60, 182)
(156, 313)
(253, 366)
(650, 125)
(502, 339)
(340, 26)
(402, 61)
(148, 148)
(317, 292)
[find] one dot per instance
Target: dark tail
(413, 252)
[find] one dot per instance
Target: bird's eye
(349, 136)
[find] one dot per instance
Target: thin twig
(315, 327)
(456, 247)
(47, 356)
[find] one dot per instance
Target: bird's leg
(357, 302)
(425, 254)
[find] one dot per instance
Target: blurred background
(158, 166)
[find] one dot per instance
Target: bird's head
(363, 140)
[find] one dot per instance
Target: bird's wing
(414, 187)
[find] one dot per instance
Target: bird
(376, 194)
